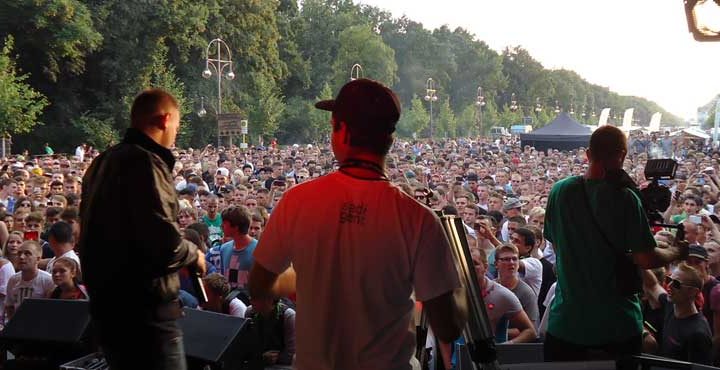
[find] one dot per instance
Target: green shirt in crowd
(587, 309)
(214, 226)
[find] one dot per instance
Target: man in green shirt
(48, 149)
(589, 313)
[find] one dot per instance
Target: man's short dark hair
(237, 216)
(201, 228)
(52, 212)
(370, 112)
(527, 235)
(149, 103)
(61, 231)
(70, 214)
(607, 142)
(257, 218)
(217, 283)
(519, 219)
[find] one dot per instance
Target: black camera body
(656, 198)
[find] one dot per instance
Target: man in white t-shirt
(360, 247)
(80, 153)
(530, 268)
(30, 282)
(218, 290)
(60, 238)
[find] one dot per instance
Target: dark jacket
(130, 245)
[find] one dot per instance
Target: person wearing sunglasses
(686, 334)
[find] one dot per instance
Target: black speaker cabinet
(52, 329)
(218, 340)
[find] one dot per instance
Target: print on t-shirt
(235, 274)
(22, 293)
(353, 213)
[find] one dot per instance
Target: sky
(633, 47)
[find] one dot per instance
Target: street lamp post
(430, 96)
(480, 103)
(513, 103)
(219, 63)
(202, 112)
(356, 72)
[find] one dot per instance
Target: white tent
(695, 132)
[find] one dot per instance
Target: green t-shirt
(49, 151)
(214, 226)
(587, 309)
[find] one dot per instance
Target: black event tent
(563, 133)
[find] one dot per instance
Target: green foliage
(159, 74)
(20, 104)
(264, 108)
(467, 121)
(91, 57)
(319, 120)
(415, 120)
(358, 44)
(58, 33)
(98, 132)
(445, 122)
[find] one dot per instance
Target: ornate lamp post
(430, 96)
(513, 103)
(218, 62)
(480, 103)
(356, 72)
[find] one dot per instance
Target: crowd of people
(498, 188)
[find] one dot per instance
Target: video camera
(656, 198)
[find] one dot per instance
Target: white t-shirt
(237, 308)
(80, 153)
(6, 272)
(18, 289)
(533, 273)
(359, 248)
(70, 254)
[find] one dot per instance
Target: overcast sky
(634, 47)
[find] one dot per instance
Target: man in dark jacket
(130, 244)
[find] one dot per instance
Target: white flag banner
(655, 122)
(627, 119)
(604, 115)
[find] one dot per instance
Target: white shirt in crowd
(237, 308)
(362, 246)
(18, 289)
(80, 153)
(70, 254)
(6, 272)
(533, 273)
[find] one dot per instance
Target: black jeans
(556, 349)
(142, 345)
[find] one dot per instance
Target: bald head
(608, 145)
(150, 106)
(155, 112)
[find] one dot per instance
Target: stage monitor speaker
(221, 341)
(55, 329)
(520, 353)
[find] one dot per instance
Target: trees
(415, 120)
(20, 104)
(358, 44)
(88, 58)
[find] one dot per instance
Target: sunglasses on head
(676, 284)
